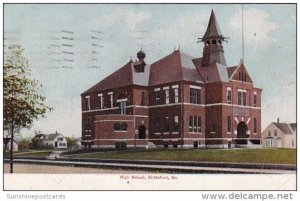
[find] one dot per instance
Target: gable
(241, 74)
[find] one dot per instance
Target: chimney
(55, 132)
(278, 120)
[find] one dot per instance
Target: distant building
(281, 135)
(177, 101)
(56, 140)
(7, 144)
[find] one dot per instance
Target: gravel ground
(52, 169)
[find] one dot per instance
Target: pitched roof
(122, 77)
(213, 30)
(52, 136)
(230, 70)
(284, 127)
(174, 67)
(293, 126)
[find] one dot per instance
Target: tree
(22, 103)
(71, 142)
(24, 145)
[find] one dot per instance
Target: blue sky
(119, 30)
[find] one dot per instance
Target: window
(111, 99)
(88, 126)
(87, 103)
(157, 125)
(142, 98)
(175, 95)
(60, 139)
(176, 124)
(269, 142)
(101, 105)
(157, 97)
(166, 125)
(275, 133)
(191, 124)
(255, 126)
(229, 124)
(239, 98)
(242, 96)
(123, 107)
(196, 124)
(229, 95)
(120, 126)
(269, 133)
(166, 96)
(214, 42)
(194, 95)
(254, 100)
(213, 128)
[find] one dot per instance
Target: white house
(281, 135)
(7, 144)
(57, 140)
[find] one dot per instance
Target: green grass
(33, 153)
(280, 156)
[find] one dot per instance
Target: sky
(72, 47)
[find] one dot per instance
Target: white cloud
(129, 18)
(257, 27)
(183, 31)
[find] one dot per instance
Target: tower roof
(213, 30)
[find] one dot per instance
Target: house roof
(285, 127)
(293, 126)
(174, 67)
(51, 136)
(177, 66)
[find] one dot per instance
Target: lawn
(280, 156)
(33, 153)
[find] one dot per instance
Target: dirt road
(52, 169)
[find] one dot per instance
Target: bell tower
(213, 39)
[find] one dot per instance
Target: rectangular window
(229, 124)
(254, 100)
(101, 105)
(176, 124)
(195, 96)
(175, 95)
(166, 125)
(111, 100)
(255, 126)
(239, 98)
(123, 107)
(198, 124)
(195, 123)
(269, 133)
(87, 103)
(244, 98)
(166, 96)
(142, 98)
(120, 126)
(275, 133)
(157, 125)
(157, 97)
(229, 95)
(213, 128)
(191, 124)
